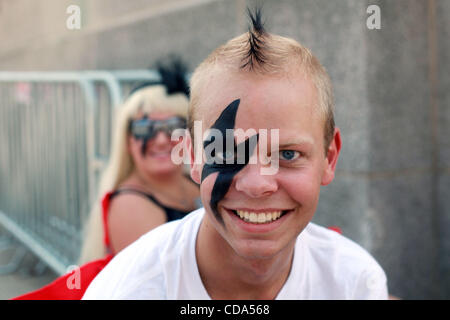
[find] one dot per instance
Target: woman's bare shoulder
(134, 203)
(130, 216)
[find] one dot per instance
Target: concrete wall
(392, 100)
(441, 105)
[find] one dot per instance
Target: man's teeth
(255, 217)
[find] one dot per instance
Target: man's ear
(332, 157)
(195, 167)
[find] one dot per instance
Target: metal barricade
(54, 134)
(126, 81)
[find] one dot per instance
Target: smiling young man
(254, 238)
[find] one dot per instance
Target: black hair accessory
(173, 76)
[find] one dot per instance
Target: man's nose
(250, 181)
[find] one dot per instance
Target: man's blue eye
(289, 154)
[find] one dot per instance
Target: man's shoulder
(166, 237)
(333, 244)
(138, 271)
(346, 265)
(173, 229)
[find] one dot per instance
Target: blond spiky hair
(260, 52)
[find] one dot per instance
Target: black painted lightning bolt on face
(226, 170)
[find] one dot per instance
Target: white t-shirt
(162, 265)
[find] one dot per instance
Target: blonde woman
(141, 188)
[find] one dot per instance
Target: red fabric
(105, 207)
(60, 289)
(335, 228)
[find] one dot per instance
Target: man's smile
(259, 217)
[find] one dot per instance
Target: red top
(105, 207)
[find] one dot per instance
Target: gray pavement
(29, 275)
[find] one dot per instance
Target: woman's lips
(163, 154)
